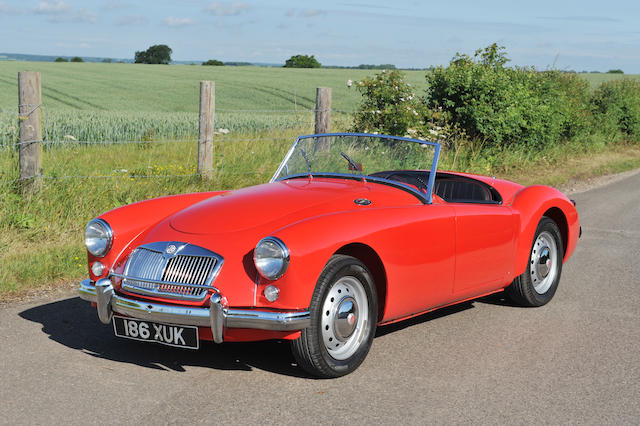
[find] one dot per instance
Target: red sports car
(353, 231)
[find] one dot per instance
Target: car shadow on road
(429, 316)
(74, 323)
(499, 299)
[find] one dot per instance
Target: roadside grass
(41, 235)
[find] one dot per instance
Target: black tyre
(537, 285)
(344, 313)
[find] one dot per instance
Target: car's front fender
(533, 202)
(130, 221)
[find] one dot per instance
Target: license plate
(180, 336)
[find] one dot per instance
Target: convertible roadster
(353, 231)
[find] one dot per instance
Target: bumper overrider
(216, 316)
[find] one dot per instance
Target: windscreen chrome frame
(432, 175)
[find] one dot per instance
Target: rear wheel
(343, 320)
(537, 285)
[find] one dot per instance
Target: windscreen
(410, 163)
(370, 157)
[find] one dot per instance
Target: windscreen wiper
(356, 167)
(304, 154)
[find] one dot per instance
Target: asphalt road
(574, 361)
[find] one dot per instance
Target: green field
(115, 102)
(111, 102)
(162, 88)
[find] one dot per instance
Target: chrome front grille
(170, 269)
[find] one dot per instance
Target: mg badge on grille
(171, 249)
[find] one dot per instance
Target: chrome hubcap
(345, 321)
(544, 259)
(344, 317)
(544, 263)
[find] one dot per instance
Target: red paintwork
(431, 255)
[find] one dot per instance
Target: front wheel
(343, 320)
(537, 285)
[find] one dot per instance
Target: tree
(156, 54)
(61, 59)
(302, 61)
(213, 62)
(77, 59)
(616, 71)
(107, 60)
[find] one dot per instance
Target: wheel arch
(372, 261)
(557, 215)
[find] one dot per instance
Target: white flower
(349, 83)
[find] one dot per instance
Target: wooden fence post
(205, 134)
(323, 110)
(30, 117)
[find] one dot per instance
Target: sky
(567, 35)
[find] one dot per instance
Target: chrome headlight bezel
(100, 230)
(271, 266)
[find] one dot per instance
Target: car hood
(269, 204)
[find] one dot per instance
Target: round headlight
(271, 258)
(98, 237)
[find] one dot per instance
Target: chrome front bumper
(217, 317)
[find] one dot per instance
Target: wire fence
(147, 145)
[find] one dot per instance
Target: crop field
(115, 102)
(118, 102)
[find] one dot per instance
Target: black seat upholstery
(448, 186)
(465, 190)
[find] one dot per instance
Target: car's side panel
(529, 205)
(416, 245)
(485, 242)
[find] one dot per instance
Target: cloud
(305, 13)
(227, 9)
(61, 12)
(9, 10)
(81, 16)
(580, 18)
(81, 45)
(116, 5)
(55, 7)
(178, 22)
(370, 6)
(310, 13)
(132, 20)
